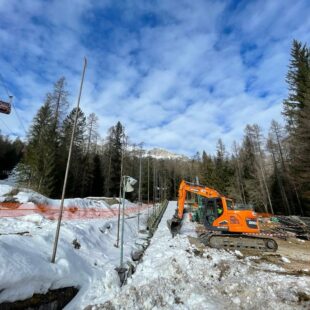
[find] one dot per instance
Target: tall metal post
(68, 166)
(148, 186)
(123, 222)
(140, 181)
(154, 186)
(120, 193)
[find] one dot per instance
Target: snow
(4, 189)
(174, 273)
(285, 259)
(26, 244)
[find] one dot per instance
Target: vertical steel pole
(120, 194)
(123, 222)
(140, 180)
(154, 187)
(148, 187)
(68, 166)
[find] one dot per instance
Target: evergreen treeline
(271, 172)
(10, 154)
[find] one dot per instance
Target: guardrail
(154, 219)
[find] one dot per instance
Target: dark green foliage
(10, 154)
(114, 157)
(75, 177)
(97, 184)
(297, 113)
(40, 153)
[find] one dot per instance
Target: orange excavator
(224, 226)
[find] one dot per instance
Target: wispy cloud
(177, 74)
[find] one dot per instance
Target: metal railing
(154, 219)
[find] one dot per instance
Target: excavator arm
(187, 187)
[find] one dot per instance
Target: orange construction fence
(14, 209)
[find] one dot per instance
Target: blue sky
(178, 74)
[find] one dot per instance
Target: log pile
(289, 226)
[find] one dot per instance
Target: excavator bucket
(174, 225)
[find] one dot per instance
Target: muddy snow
(180, 273)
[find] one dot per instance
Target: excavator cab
(213, 210)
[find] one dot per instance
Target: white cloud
(171, 72)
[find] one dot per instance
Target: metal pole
(120, 195)
(140, 180)
(68, 166)
(123, 222)
(148, 187)
(154, 187)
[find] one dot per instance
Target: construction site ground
(297, 251)
(182, 273)
(293, 254)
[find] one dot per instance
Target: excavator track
(239, 242)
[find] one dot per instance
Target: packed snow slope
(86, 256)
(180, 273)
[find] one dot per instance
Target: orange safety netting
(14, 209)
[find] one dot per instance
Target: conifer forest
(269, 170)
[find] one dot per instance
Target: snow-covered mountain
(159, 153)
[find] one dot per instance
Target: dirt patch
(293, 255)
(297, 252)
(224, 269)
(197, 243)
(52, 300)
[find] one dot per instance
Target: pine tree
(97, 184)
(10, 155)
(254, 192)
(298, 83)
(74, 187)
(297, 113)
(58, 101)
(40, 154)
(88, 159)
(237, 190)
(114, 156)
(223, 172)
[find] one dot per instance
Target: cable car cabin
(5, 107)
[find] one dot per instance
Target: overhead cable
(17, 115)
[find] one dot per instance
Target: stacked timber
(293, 226)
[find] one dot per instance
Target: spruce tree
(74, 188)
(297, 114)
(39, 157)
(114, 154)
(97, 184)
(91, 137)
(10, 154)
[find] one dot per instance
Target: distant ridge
(159, 153)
